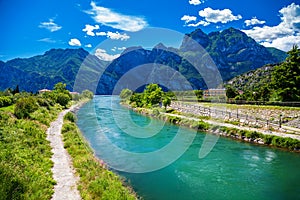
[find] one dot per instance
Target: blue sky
(107, 27)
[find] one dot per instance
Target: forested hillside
(271, 82)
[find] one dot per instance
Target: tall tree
(286, 77)
(152, 94)
(16, 90)
(231, 92)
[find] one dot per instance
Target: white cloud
(103, 55)
(114, 36)
(188, 18)
(195, 2)
(101, 34)
(50, 25)
(283, 35)
(117, 36)
(88, 45)
(203, 23)
(254, 21)
(89, 29)
(116, 20)
(284, 43)
(74, 42)
(48, 40)
(215, 16)
(118, 48)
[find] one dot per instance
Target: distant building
(214, 92)
(74, 93)
(44, 90)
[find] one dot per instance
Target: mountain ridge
(232, 51)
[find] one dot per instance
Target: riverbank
(290, 142)
(96, 180)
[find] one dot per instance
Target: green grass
(46, 116)
(25, 158)
(235, 106)
(96, 182)
(8, 108)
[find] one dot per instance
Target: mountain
(194, 65)
(230, 53)
(44, 71)
(234, 52)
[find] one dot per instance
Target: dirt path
(63, 172)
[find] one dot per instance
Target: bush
(5, 101)
(87, 94)
(125, 94)
(70, 116)
(63, 99)
(252, 134)
(25, 106)
(203, 125)
(44, 102)
(75, 97)
(268, 139)
(155, 112)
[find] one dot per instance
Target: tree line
(26, 103)
(153, 95)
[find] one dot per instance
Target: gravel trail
(63, 171)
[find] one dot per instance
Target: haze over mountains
(232, 51)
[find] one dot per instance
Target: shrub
(44, 102)
(87, 94)
(63, 99)
(25, 106)
(174, 120)
(268, 139)
(252, 134)
(125, 94)
(70, 116)
(75, 97)
(155, 112)
(5, 101)
(203, 125)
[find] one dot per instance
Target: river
(231, 170)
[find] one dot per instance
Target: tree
(264, 93)
(16, 90)
(166, 101)
(125, 94)
(60, 88)
(5, 101)
(63, 99)
(87, 94)
(136, 100)
(286, 77)
(199, 94)
(25, 106)
(152, 95)
(231, 92)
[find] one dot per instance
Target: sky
(106, 27)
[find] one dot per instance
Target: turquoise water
(232, 170)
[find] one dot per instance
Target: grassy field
(25, 165)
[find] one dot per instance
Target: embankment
(290, 142)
